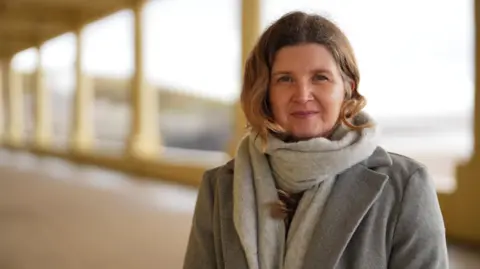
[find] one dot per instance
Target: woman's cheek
(336, 94)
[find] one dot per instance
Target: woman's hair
(293, 29)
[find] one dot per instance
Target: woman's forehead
(304, 58)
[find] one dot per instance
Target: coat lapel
(352, 196)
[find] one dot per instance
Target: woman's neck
(290, 138)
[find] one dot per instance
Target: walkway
(54, 214)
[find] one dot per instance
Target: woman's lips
(304, 114)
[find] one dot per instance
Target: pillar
(250, 33)
(144, 140)
(42, 115)
(15, 127)
(82, 123)
(2, 103)
(461, 208)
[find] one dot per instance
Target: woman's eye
(320, 78)
(284, 79)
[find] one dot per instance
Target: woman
(309, 186)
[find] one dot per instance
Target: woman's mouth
(304, 113)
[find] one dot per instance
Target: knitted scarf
(309, 166)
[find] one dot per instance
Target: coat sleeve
(419, 239)
(200, 252)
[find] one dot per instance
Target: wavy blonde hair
(293, 29)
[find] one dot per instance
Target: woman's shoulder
(393, 164)
(405, 172)
(405, 166)
(220, 173)
(217, 184)
(408, 183)
(419, 222)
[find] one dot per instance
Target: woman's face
(306, 90)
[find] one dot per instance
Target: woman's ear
(352, 87)
(348, 92)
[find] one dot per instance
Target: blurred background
(111, 111)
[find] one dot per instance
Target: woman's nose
(303, 92)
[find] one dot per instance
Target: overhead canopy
(28, 23)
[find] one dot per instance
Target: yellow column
(461, 209)
(42, 107)
(250, 33)
(144, 140)
(2, 103)
(82, 125)
(15, 126)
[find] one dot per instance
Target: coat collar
(379, 158)
(354, 193)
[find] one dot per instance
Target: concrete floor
(54, 214)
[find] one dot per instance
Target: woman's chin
(307, 133)
(304, 135)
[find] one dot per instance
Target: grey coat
(382, 213)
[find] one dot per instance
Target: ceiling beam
(13, 45)
(42, 14)
(26, 23)
(24, 28)
(19, 37)
(18, 43)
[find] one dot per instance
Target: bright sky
(412, 52)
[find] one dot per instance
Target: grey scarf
(310, 166)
